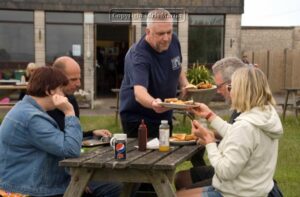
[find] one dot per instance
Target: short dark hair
(45, 79)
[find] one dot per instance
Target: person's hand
(157, 107)
(184, 90)
(102, 133)
(201, 110)
(205, 135)
(62, 103)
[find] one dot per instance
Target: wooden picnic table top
(148, 166)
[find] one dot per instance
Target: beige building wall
(232, 42)
(267, 38)
(39, 37)
(183, 36)
(137, 23)
(89, 68)
(296, 43)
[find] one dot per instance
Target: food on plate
(178, 101)
(183, 137)
(170, 100)
(190, 86)
(204, 85)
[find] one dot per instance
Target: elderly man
(153, 72)
(72, 70)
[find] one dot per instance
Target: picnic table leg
(79, 180)
(285, 104)
(162, 185)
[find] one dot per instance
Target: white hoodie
(245, 160)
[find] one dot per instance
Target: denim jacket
(31, 145)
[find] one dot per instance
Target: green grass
(288, 166)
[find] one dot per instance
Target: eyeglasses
(229, 87)
(220, 85)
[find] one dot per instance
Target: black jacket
(59, 116)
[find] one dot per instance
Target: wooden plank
(122, 175)
(162, 185)
(131, 156)
(276, 70)
(296, 68)
(76, 162)
(99, 160)
(148, 160)
(79, 180)
(171, 161)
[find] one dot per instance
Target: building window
(64, 36)
(206, 38)
(16, 38)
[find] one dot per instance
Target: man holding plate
(153, 72)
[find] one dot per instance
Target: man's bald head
(65, 63)
(72, 70)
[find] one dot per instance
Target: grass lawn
(288, 166)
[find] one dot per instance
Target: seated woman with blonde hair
(245, 160)
(31, 143)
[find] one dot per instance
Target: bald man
(72, 70)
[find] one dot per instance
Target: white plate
(177, 106)
(180, 143)
(200, 90)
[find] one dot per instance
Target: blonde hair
(30, 67)
(250, 89)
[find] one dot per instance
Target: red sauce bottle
(142, 136)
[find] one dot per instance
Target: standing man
(72, 70)
(152, 73)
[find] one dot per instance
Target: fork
(190, 115)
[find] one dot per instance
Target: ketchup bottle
(142, 136)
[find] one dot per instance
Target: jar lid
(164, 121)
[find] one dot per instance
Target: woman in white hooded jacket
(245, 160)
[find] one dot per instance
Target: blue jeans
(105, 189)
(210, 191)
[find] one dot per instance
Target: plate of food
(202, 87)
(95, 142)
(183, 139)
(175, 103)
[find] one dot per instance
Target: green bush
(199, 73)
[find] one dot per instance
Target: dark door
(111, 47)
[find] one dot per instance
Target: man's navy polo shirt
(157, 72)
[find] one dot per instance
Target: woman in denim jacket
(31, 144)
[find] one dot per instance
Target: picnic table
(9, 89)
(150, 166)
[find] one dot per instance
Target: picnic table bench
(150, 166)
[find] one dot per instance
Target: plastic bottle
(142, 136)
(164, 134)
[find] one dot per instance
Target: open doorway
(111, 46)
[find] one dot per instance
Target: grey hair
(227, 66)
(158, 14)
